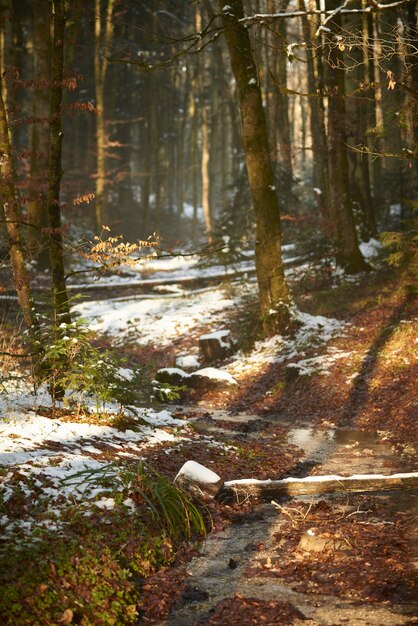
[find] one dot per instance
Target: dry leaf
(66, 618)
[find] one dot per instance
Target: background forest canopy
(158, 124)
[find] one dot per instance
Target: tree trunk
(316, 485)
(12, 217)
(37, 207)
(282, 103)
(348, 254)
(205, 141)
(204, 170)
(273, 290)
(103, 39)
(61, 306)
(319, 139)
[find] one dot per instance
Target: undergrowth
(89, 568)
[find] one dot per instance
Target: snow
(314, 331)
(154, 320)
(395, 210)
(175, 371)
(371, 248)
(222, 336)
(188, 361)
(198, 473)
(105, 503)
(216, 374)
(320, 479)
(61, 462)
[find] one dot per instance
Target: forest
(208, 330)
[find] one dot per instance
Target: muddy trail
(310, 559)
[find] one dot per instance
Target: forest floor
(338, 397)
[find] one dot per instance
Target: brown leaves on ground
(374, 388)
(160, 593)
(253, 612)
(261, 458)
(373, 566)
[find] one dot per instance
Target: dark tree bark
(348, 254)
(273, 290)
(61, 306)
(37, 207)
(12, 218)
(14, 233)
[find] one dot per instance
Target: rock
(199, 480)
(211, 378)
(315, 541)
(187, 361)
(172, 376)
(216, 346)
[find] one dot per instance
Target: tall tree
(103, 41)
(13, 218)
(37, 210)
(61, 306)
(273, 291)
(348, 253)
(319, 140)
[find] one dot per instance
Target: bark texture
(61, 306)
(273, 290)
(103, 39)
(348, 254)
(12, 217)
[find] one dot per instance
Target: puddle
(338, 451)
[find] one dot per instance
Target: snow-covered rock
(172, 376)
(211, 378)
(199, 480)
(187, 361)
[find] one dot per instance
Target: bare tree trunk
(12, 218)
(348, 254)
(282, 100)
(319, 139)
(273, 290)
(61, 306)
(37, 207)
(205, 152)
(204, 170)
(103, 39)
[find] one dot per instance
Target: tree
(14, 231)
(13, 218)
(273, 291)
(61, 306)
(348, 254)
(103, 40)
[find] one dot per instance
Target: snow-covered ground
(54, 464)
(41, 457)
(155, 319)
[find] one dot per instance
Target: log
(317, 485)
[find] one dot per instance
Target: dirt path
(251, 558)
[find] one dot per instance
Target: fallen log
(317, 485)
